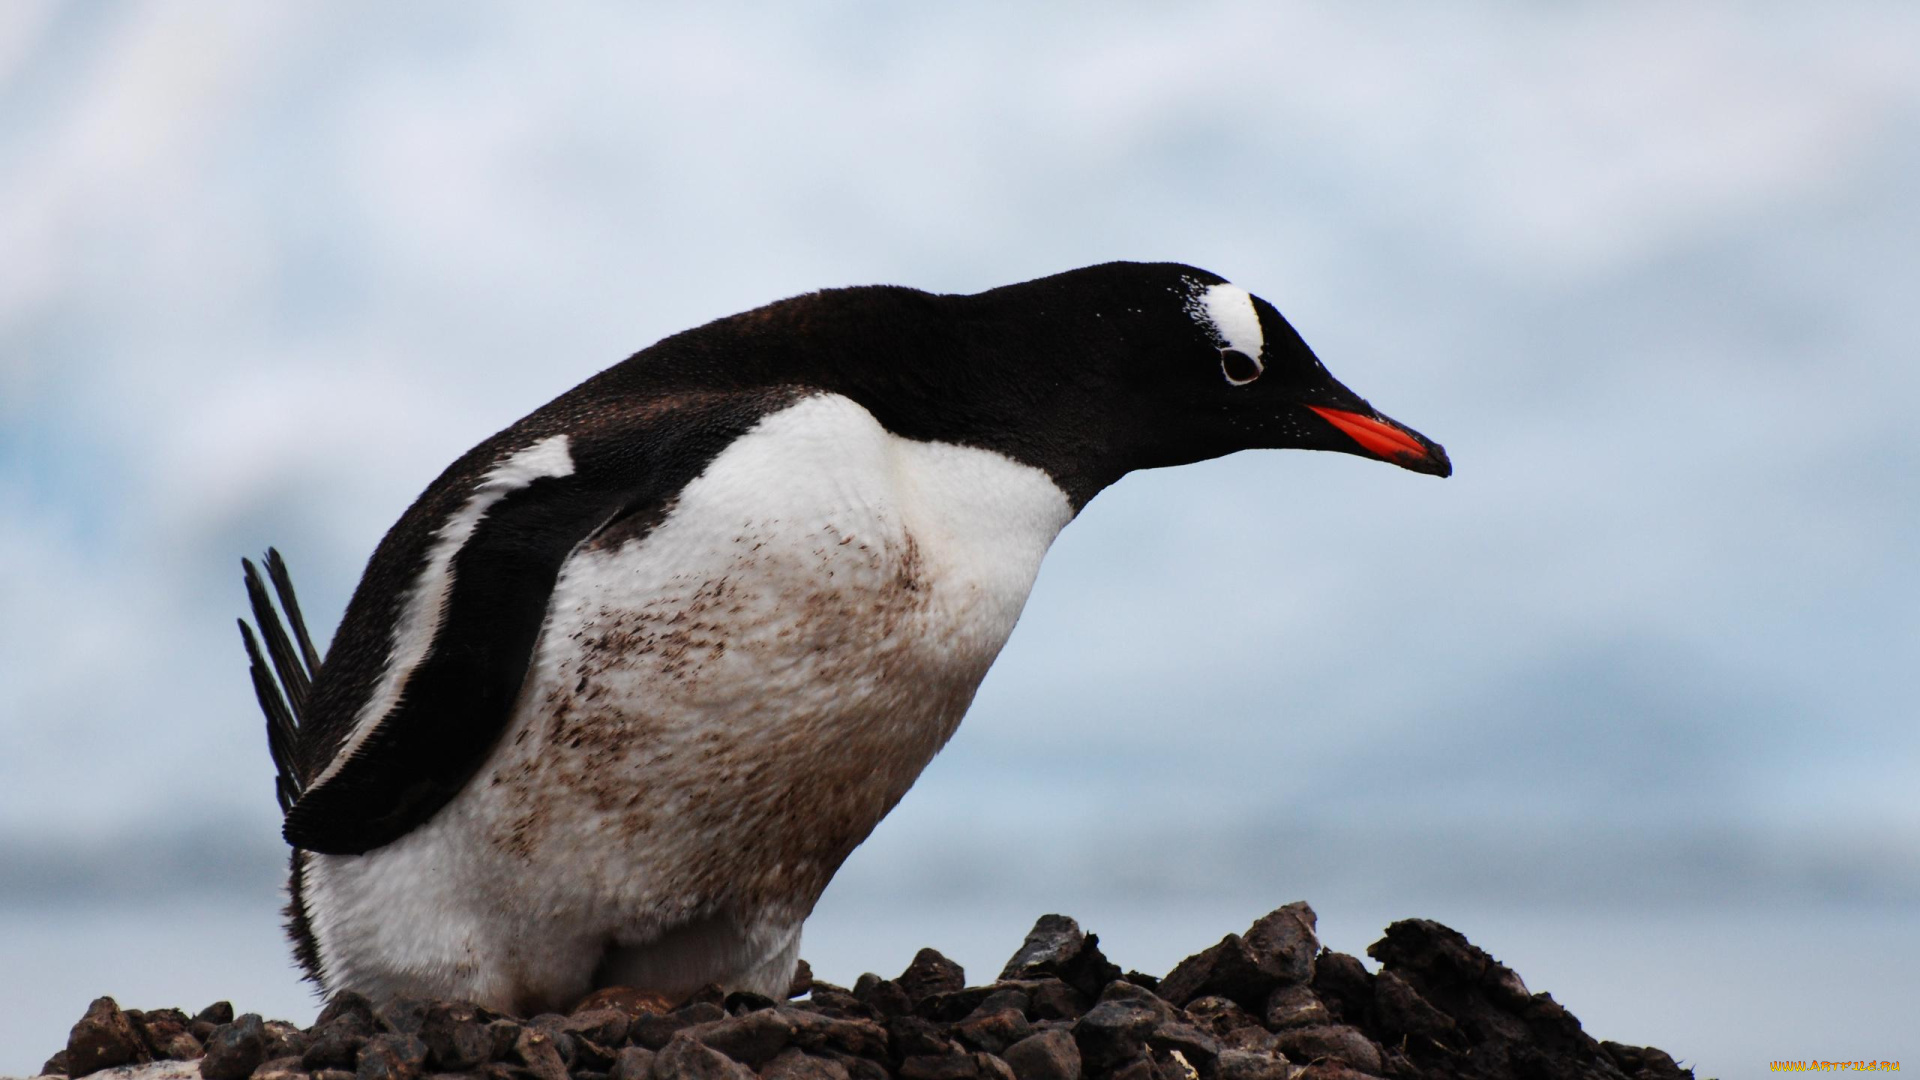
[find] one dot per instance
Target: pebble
(1049, 1055)
(930, 974)
(235, 1050)
(394, 1056)
(1266, 1004)
(1113, 1032)
(104, 1038)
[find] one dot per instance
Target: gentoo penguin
(622, 689)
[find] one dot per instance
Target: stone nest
(1267, 1004)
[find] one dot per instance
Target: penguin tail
(281, 688)
(283, 674)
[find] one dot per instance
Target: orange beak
(1388, 442)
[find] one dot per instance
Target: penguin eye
(1239, 368)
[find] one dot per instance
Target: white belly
(717, 713)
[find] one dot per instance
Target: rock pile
(1269, 1004)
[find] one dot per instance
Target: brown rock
(832, 1001)
(334, 1046)
(347, 1007)
(1052, 999)
(1053, 939)
(1047, 1055)
(1399, 1010)
(1197, 1047)
(1250, 1065)
(1112, 1032)
(535, 1049)
(105, 1038)
(1219, 1015)
(504, 1034)
(176, 1046)
(631, 1063)
(288, 1068)
(1252, 1038)
(588, 1056)
(939, 1067)
(235, 1050)
(858, 1068)
(1337, 1042)
(1005, 997)
(1229, 969)
(993, 1067)
(861, 1038)
(930, 974)
(608, 1027)
(393, 1056)
(653, 1032)
(1430, 956)
(1283, 943)
(884, 996)
(456, 1040)
(687, 1058)
(164, 1034)
(912, 1036)
(1344, 985)
(955, 1005)
(405, 1015)
(1057, 947)
(1121, 990)
(752, 1039)
(282, 1040)
(794, 1063)
(802, 983)
(1295, 1006)
(994, 1031)
(1494, 1018)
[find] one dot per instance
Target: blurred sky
(1629, 700)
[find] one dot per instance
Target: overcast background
(1629, 700)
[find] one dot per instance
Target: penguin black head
(1158, 364)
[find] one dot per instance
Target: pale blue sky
(1647, 270)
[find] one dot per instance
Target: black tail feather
(282, 691)
(283, 587)
(280, 720)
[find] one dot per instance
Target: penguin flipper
(454, 703)
(408, 754)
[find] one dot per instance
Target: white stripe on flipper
(425, 604)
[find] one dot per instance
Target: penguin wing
(478, 581)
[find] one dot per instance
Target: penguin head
(1216, 369)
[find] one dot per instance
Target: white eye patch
(1227, 313)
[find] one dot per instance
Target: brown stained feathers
(791, 799)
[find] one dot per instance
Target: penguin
(619, 693)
